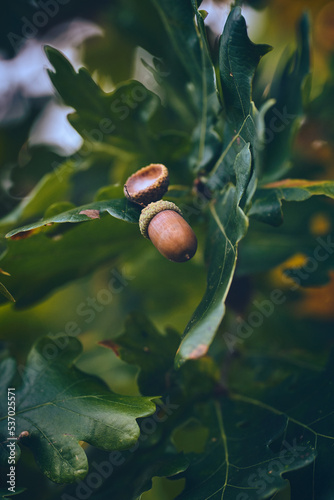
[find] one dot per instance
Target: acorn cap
(148, 184)
(151, 211)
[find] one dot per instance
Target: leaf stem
(224, 438)
(227, 149)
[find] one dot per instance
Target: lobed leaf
(275, 418)
(238, 461)
(57, 406)
(238, 59)
(143, 345)
(128, 122)
(303, 397)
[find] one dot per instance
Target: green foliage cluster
(234, 408)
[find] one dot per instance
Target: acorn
(147, 184)
(162, 223)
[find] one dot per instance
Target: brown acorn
(147, 184)
(163, 224)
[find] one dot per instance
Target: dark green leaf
(274, 414)
(238, 59)
(52, 188)
(120, 209)
(228, 225)
(238, 462)
(267, 202)
(58, 406)
(287, 90)
(304, 398)
(204, 135)
(123, 123)
(135, 470)
(223, 169)
(153, 352)
(109, 192)
(189, 41)
(178, 19)
(40, 264)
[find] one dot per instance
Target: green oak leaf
(24, 168)
(238, 461)
(273, 416)
(102, 117)
(267, 201)
(122, 209)
(228, 225)
(128, 123)
(143, 345)
(57, 405)
(108, 192)
(52, 188)
(47, 262)
(303, 397)
(134, 471)
(238, 59)
(282, 119)
(179, 23)
(189, 42)
(237, 62)
(205, 135)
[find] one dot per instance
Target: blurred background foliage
(111, 38)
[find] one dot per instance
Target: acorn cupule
(148, 184)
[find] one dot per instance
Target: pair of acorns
(160, 221)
